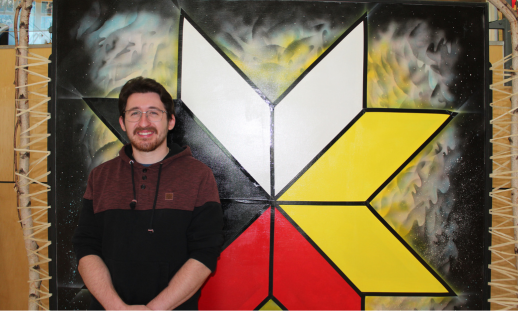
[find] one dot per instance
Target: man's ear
(121, 122)
(171, 123)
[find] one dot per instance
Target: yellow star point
(360, 161)
(364, 249)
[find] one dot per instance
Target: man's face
(145, 135)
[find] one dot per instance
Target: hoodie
(175, 215)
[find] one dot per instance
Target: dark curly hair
(145, 85)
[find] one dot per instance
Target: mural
(347, 140)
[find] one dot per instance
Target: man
(150, 230)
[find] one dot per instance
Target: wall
(13, 258)
(13, 270)
(495, 55)
(299, 59)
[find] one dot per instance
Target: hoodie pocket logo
(169, 196)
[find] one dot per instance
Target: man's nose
(144, 121)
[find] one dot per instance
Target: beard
(147, 145)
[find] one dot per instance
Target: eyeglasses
(153, 115)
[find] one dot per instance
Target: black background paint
(243, 200)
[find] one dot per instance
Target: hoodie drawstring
(133, 203)
(150, 230)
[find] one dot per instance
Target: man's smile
(144, 132)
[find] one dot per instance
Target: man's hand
(132, 307)
(97, 279)
(182, 286)
(136, 307)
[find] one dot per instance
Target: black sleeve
(88, 235)
(205, 234)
